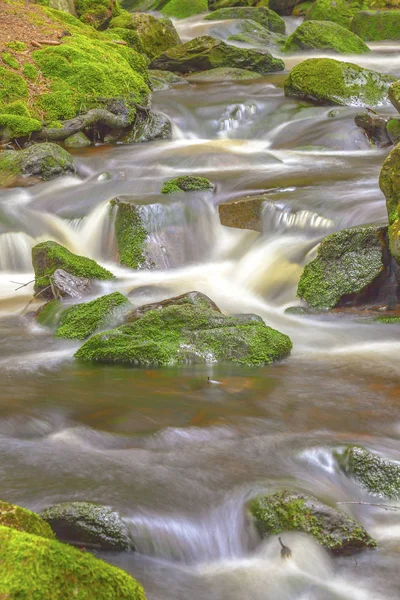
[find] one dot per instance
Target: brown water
(177, 456)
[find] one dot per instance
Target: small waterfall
(15, 251)
(235, 115)
(276, 217)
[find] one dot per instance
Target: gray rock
(42, 161)
(164, 80)
(70, 286)
(149, 125)
(374, 127)
(194, 298)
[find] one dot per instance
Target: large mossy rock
(290, 511)
(187, 183)
(375, 25)
(81, 320)
(203, 53)
(96, 12)
(41, 161)
(89, 525)
(324, 35)
(338, 11)
(181, 9)
(187, 332)
(348, 270)
(35, 568)
(49, 256)
(329, 81)
(264, 16)
(389, 182)
(156, 35)
(22, 519)
(132, 235)
(394, 94)
(377, 475)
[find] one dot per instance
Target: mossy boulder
(131, 235)
(324, 35)
(375, 25)
(203, 53)
(222, 74)
(22, 519)
(187, 183)
(389, 182)
(264, 16)
(181, 9)
(393, 130)
(97, 12)
(376, 474)
(81, 320)
(394, 94)
(288, 510)
(89, 525)
(329, 81)
(254, 34)
(149, 125)
(156, 35)
(338, 11)
(348, 270)
(35, 568)
(185, 333)
(49, 256)
(163, 80)
(41, 161)
(78, 140)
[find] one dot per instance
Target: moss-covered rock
(254, 34)
(187, 183)
(290, 511)
(149, 125)
(374, 25)
(163, 80)
(389, 182)
(282, 7)
(88, 524)
(81, 320)
(324, 35)
(393, 130)
(223, 74)
(329, 81)
(376, 474)
(131, 234)
(181, 9)
(347, 268)
(338, 11)
(44, 161)
(35, 568)
(156, 35)
(394, 94)
(186, 333)
(264, 16)
(47, 257)
(97, 12)
(22, 519)
(78, 140)
(203, 53)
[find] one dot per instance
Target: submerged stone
(22, 519)
(81, 320)
(375, 25)
(348, 270)
(222, 74)
(88, 524)
(324, 35)
(185, 333)
(203, 53)
(389, 182)
(377, 475)
(163, 80)
(49, 256)
(329, 81)
(288, 510)
(37, 568)
(264, 16)
(187, 183)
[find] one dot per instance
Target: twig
(384, 506)
(34, 297)
(21, 285)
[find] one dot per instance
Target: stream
(178, 457)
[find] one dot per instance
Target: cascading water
(178, 455)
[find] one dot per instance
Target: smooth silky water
(177, 456)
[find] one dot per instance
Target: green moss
(130, 37)
(35, 568)
(15, 126)
(49, 314)
(290, 511)
(180, 334)
(329, 81)
(16, 46)
(377, 475)
(347, 263)
(22, 519)
(389, 182)
(187, 183)
(96, 12)
(338, 11)
(9, 60)
(324, 35)
(81, 320)
(374, 25)
(49, 256)
(131, 235)
(393, 130)
(12, 86)
(264, 16)
(181, 9)
(389, 320)
(30, 71)
(18, 107)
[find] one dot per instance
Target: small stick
(385, 506)
(36, 44)
(49, 42)
(286, 551)
(34, 297)
(21, 285)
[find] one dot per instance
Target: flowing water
(177, 456)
